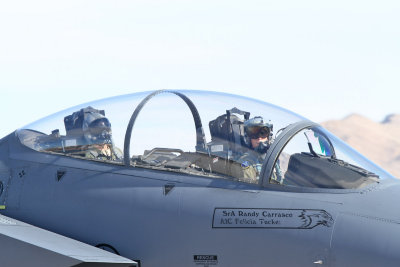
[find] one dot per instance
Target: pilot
(97, 132)
(259, 137)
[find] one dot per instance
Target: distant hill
(378, 141)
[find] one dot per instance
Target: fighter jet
(191, 178)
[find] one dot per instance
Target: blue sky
(322, 59)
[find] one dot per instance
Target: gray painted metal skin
(37, 247)
(132, 210)
(23, 244)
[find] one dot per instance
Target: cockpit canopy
(204, 134)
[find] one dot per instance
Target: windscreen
(314, 158)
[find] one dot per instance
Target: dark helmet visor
(257, 127)
(100, 131)
(256, 132)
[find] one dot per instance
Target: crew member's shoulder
(92, 153)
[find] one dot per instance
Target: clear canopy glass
(165, 135)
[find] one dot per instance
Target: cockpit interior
(204, 134)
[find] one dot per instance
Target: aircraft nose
(369, 235)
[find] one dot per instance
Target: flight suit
(103, 154)
(251, 163)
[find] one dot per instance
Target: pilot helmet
(256, 127)
(97, 129)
